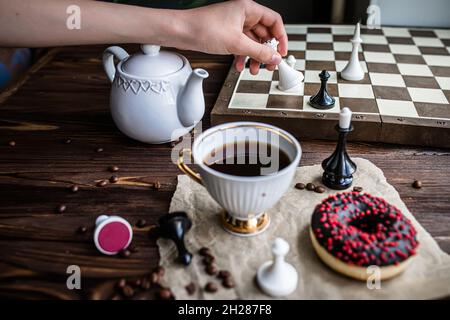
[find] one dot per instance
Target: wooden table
(68, 99)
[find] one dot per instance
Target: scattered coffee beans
(357, 189)
(319, 189)
(211, 269)
(211, 287)
(145, 285)
(125, 253)
(228, 282)
(165, 294)
(114, 179)
(208, 259)
(191, 288)
(141, 223)
(67, 141)
(113, 168)
(137, 282)
(74, 188)
(128, 291)
(157, 185)
(224, 274)
(61, 208)
(12, 143)
(154, 278)
(417, 184)
(205, 251)
(98, 150)
(102, 183)
(310, 186)
(300, 186)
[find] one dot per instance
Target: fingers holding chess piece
(277, 278)
(322, 100)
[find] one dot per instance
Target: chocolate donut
(351, 231)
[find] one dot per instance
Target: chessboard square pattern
(427, 95)
(285, 102)
(414, 69)
(340, 65)
(443, 34)
(397, 108)
(355, 91)
(295, 29)
(396, 32)
(421, 82)
(248, 86)
(297, 45)
(308, 108)
(319, 55)
(433, 110)
(343, 30)
(296, 91)
(428, 42)
(379, 57)
(249, 101)
(312, 76)
(263, 75)
(387, 79)
(373, 39)
(391, 93)
(437, 60)
(444, 82)
(404, 49)
(319, 37)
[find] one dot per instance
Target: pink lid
(112, 235)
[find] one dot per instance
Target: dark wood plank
(68, 98)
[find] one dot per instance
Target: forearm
(39, 23)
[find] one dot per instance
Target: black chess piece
(339, 168)
(174, 226)
(322, 100)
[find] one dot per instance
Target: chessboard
(404, 97)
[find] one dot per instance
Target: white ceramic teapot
(155, 97)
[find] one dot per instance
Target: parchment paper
(427, 277)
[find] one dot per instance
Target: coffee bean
(165, 294)
(61, 208)
(113, 168)
(157, 185)
(417, 184)
(121, 283)
(191, 288)
(145, 285)
(74, 188)
(114, 179)
(125, 253)
(154, 278)
(82, 230)
(141, 223)
(211, 269)
(357, 189)
(310, 186)
(67, 141)
(211, 287)
(319, 189)
(102, 183)
(228, 282)
(205, 251)
(300, 186)
(98, 150)
(12, 143)
(137, 282)
(160, 270)
(208, 259)
(224, 274)
(128, 291)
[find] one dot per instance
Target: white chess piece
(277, 278)
(291, 61)
(353, 70)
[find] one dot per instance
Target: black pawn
(339, 168)
(322, 100)
(174, 226)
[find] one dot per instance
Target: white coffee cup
(244, 198)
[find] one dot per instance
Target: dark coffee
(248, 159)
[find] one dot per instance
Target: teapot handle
(108, 60)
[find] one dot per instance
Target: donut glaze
(363, 230)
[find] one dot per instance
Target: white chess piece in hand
(277, 278)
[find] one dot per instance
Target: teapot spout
(191, 103)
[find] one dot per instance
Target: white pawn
(353, 70)
(277, 278)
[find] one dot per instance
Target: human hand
(235, 27)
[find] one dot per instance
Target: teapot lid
(152, 62)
